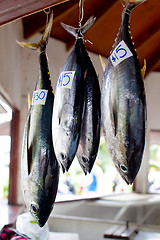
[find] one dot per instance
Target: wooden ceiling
(145, 26)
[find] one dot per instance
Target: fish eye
(63, 156)
(85, 159)
(34, 208)
(123, 168)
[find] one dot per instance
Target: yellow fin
(29, 101)
(102, 63)
(143, 70)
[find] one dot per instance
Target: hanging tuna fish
(77, 81)
(123, 103)
(91, 117)
(40, 169)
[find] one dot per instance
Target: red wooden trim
(14, 153)
(12, 10)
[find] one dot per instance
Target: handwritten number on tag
(65, 79)
(120, 53)
(39, 97)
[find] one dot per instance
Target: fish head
(42, 197)
(128, 169)
(65, 147)
(40, 212)
(65, 157)
(123, 170)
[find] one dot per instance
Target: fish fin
(29, 101)
(26, 146)
(72, 30)
(143, 70)
(114, 117)
(88, 24)
(44, 40)
(102, 63)
(135, 2)
(75, 31)
(115, 121)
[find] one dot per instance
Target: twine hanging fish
(40, 169)
(69, 98)
(123, 102)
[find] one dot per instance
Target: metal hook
(47, 13)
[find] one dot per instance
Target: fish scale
(39, 166)
(123, 102)
(74, 105)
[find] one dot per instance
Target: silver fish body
(123, 105)
(69, 100)
(67, 112)
(91, 119)
(39, 166)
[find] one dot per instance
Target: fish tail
(44, 40)
(81, 30)
(133, 2)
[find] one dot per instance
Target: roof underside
(145, 25)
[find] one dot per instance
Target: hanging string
(47, 13)
(81, 12)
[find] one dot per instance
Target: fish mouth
(64, 161)
(128, 179)
(41, 224)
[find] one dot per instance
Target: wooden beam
(157, 66)
(105, 30)
(150, 50)
(101, 11)
(145, 35)
(36, 22)
(153, 62)
(142, 28)
(12, 10)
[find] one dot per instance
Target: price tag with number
(65, 79)
(120, 53)
(39, 97)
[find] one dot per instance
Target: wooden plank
(11, 10)
(150, 50)
(36, 22)
(120, 232)
(111, 230)
(12, 198)
(130, 232)
(105, 30)
(93, 8)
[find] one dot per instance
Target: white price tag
(120, 53)
(39, 97)
(65, 79)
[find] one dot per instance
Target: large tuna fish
(69, 98)
(40, 169)
(123, 103)
(91, 118)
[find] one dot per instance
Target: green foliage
(154, 157)
(6, 189)
(103, 157)
(154, 151)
